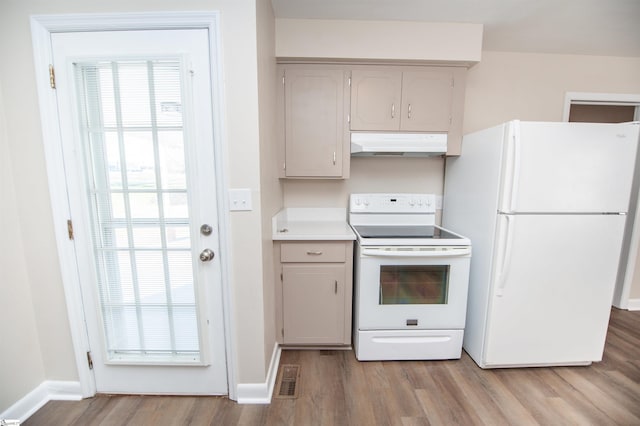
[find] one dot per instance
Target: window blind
(131, 122)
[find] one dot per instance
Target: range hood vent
(398, 144)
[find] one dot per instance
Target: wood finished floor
(336, 389)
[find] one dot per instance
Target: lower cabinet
(314, 293)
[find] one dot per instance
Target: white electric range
(411, 279)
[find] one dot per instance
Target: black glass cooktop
(412, 231)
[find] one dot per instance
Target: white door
(570, 167)
(553, 286)
(136, 122)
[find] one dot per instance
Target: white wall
(48, 309)
(271, 195)
(368, 174)
(21, 365)
(39, 273)
(529, 86)
(381, 40)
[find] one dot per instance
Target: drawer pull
(314, 253)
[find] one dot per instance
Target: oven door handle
(419, 252)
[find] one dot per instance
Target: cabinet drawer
(313, 252)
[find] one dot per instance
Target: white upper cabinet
(319, 104)
(315, 104)
(414, 99)
(376, 95)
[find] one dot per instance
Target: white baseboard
(49, 390)
(260, 393)
(633, 305)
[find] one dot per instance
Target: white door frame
(42, 26)
(587, 98)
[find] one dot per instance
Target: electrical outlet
(240, 199)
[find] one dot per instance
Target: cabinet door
(313, 303)
(314, 122)
(375, 99)
(426, 100)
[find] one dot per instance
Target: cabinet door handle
(334, 158)
(335, 287)
(409, 113)
(314, 253)
(393, 110)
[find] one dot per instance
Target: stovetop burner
(395, 220)
(400, 231)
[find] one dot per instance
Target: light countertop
(311, 224)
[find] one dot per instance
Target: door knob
(207, 255)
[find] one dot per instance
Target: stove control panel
(392, 203)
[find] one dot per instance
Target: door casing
(42, 26)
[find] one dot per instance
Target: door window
(414, 284)
(132, 133)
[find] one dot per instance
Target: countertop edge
(323, 225)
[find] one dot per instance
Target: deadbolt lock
(206, 229)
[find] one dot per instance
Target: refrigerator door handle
(506, 256)
(512, 169)
(516, 165)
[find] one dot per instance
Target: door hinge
(70, 229)
(89, 360)
(52, 77)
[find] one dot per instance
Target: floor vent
(287, 384)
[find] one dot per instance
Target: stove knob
(412, 202)
(366, 202)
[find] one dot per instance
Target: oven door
(412, 287)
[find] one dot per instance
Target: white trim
(587, 98)
(37, 398)
(59, 203)
(222, 191)
(633, 305)
(128, 21)
(261, 393)
(42, 26)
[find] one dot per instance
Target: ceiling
(585, 27)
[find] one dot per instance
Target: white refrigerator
(544, 205)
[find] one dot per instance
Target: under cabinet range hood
(398, 144)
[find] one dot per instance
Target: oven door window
(414, 284)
